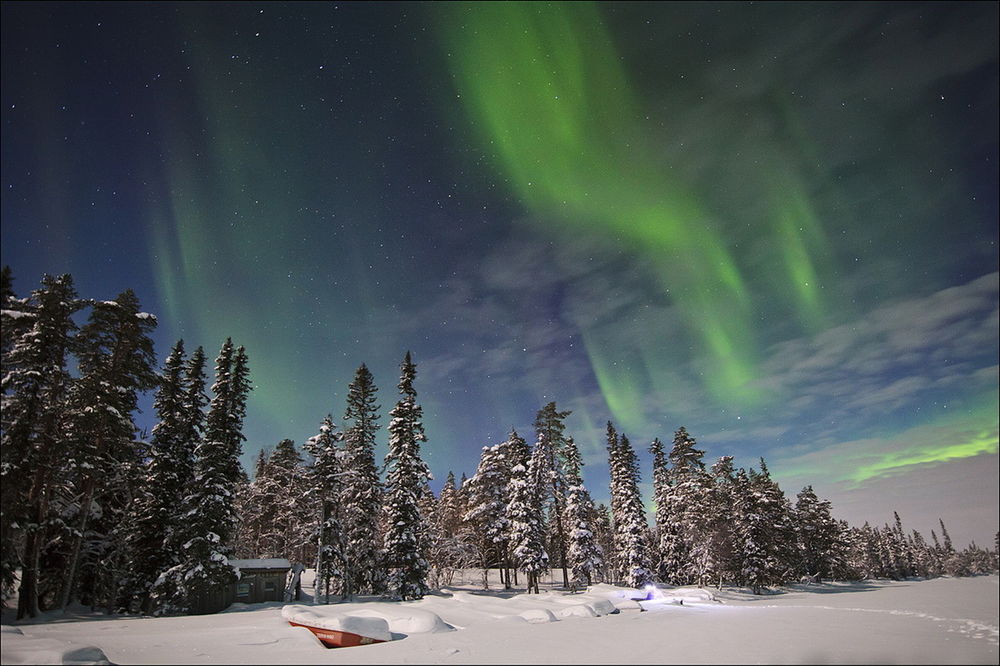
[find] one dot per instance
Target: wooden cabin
(260, 580)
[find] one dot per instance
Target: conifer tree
(585, 556)
(450, 542)
(35, 385)
(549, 429)
(818, 535)
(192, 423)
(486, 503)
(153, 510)
(751, 532)
(719, 520)
(405, 481)
(362, 491)
(209, 518)
(684, 553)
(765, 535)
(326, 484)
(116, 363)
(16, 315)
(630, 526)
(279, 490)
(15, 321)
(666, 529)
(513, 451)
(526, 512)
(253, 515)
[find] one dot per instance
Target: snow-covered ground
(940, 621)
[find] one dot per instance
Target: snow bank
(538, 615)
(17, 648)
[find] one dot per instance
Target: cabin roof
(267, 563)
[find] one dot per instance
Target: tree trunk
(560, 533)
(90, 486)
(27, 602)
(38, 498)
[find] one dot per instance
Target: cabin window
(268, 587)
(243, 590)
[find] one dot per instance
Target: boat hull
(333, 638)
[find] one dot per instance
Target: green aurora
(544, 90)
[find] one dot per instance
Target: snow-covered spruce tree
(192, 426)
(719, 524)
(864, 560)
(514, 451)
(406, 478)
(208, 519)
(585, 557)
(191, 433)
(818, 535)
(16, 315)
(906, 556)
(750, 532)
(325, 483)
(154, 501)
(890, 554)
(549, 429)
(922, 555)
(951, 560)
(157, 500)
(617, 473)
(279, 490)
(451, 543)
(631, 529)
(116, 363)
(686, 559)
(427, 530)
(783, 550)
(155, 513)
(362, 491)
(252, 512)
(34, 449)
(764, 532)
(665, 527)
(15, 320)
(605, 536)
(486, 513)
(449, 507)
(526, 512)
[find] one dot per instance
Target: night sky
(772, 223)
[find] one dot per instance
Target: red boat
(332, 638)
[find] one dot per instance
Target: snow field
(939, 621)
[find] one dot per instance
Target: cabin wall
(257, 586)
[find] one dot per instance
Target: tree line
(93, 512)
(97, 513)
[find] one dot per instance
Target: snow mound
(372, 627)
(603, 607)
(538, 615)
(577, 610)
(406, 619)
(16, 648)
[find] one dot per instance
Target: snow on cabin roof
(269, 563)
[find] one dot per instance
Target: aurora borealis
(772, 223)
